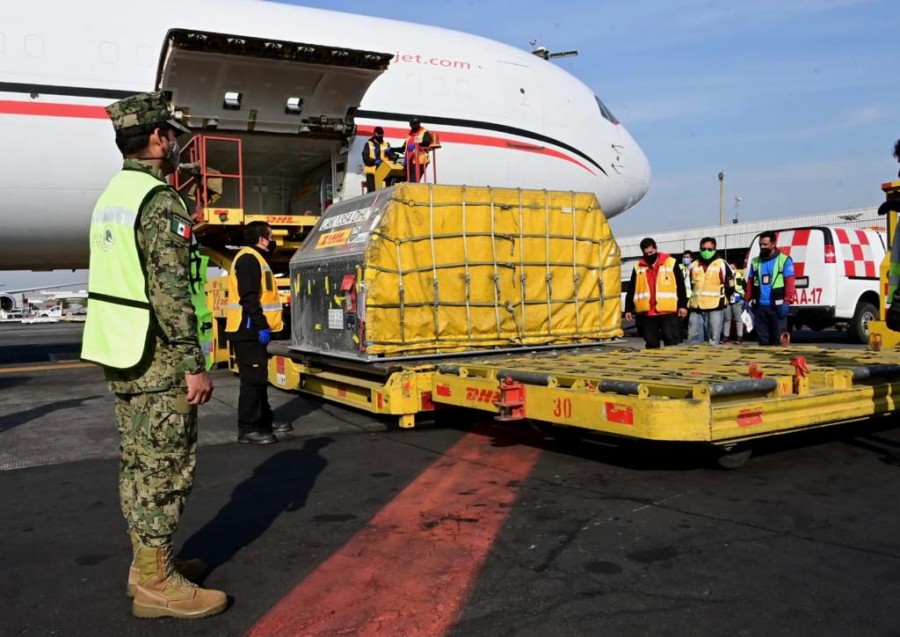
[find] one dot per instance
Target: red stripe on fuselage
(409, 571)
(479, 140)
(45, 109)
(80, 111)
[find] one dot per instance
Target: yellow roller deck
(715, 395)
(719, 395)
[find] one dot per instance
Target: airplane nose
(642, 172)
(633, 168)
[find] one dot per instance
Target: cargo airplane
(300, 88)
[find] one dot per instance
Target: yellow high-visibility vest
(382, 149)
(117, 328)
(776, 291)
(894, 267)
(708, 288)
(268, 298)
(199, 265)
(666, 288)
(419, 154)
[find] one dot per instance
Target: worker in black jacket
(374, 153)
(253, 313)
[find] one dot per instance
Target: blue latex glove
(411, 147)
(746, 306)
(265, 336)
(783, 310)
(377, 162)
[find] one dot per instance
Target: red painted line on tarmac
(411, 569)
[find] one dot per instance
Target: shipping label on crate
(335, 319)
(347, 218)
(332, 239)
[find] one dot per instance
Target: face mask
(650, 258)
(686, 260)
(174, 154)
(270, 245)
(707, 254)
(765, 252)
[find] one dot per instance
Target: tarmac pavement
(349, 526)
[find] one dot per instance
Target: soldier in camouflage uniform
(156, 398)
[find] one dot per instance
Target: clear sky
(798, 101)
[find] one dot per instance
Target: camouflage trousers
(158, 453)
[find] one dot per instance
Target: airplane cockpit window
(605, 111)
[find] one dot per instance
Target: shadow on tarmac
(641, 455)
(294, 409)
(8, 382)
(279, 485)
(31, 353)
(12, 421)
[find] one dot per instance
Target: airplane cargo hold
(423, 269)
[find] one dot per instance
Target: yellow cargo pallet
(395, 390)
(720, 395)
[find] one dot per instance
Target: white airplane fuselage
(507, 118)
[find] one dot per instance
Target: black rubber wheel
(735, 458)
(859, 325)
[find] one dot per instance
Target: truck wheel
(733, 458)
(859, 326)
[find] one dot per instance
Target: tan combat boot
(193, 569)
(163, 592)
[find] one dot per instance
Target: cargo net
(451, 268)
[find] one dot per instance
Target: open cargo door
(239, 83)
(272, 123)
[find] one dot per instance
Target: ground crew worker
(198, 269)
(374, 153)
(734, 308)
(770, 290)
(897, 153)
(656, 294)
(687, 257)
(253, 313)
(712, 284)
(141, 327)
(893, 314)
(418, 143)
(200, 262)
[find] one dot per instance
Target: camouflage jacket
(173, 346)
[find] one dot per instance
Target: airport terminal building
(734, 240)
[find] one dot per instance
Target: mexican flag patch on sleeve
(180, 226)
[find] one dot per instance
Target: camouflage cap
(144, 109)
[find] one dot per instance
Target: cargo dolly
(540, 280)
(718, 396)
